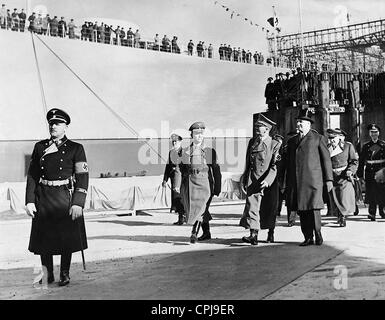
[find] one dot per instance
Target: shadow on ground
(236, 272)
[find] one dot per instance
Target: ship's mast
(301, 30)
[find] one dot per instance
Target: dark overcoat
(172, 172)
(308, 168)
(53, 231)
(372, 160)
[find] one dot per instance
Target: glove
(31, 209)
(76, 212)
(264, 184)
(329, 185)
(164, 183)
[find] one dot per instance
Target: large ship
(124, 101)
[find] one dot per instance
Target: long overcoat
(372, 160)
(172, 172)
(308, 168)
(53, 231)
(344, 158)
(201, 180)
(261, 164)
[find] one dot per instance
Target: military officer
(344, 165)
(172, 172)
(201, 180)
(372, 159)
(259, 174)
(56, 191)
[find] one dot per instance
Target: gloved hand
(177, 190)
(348, 173)
(264, 184)
(76, 212)
(329, 185)
(164, 183)
(30, 208)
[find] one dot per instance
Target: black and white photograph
(192, 155)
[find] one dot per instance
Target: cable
(122, 121)
(39, 76)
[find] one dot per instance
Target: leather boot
(270, 236)
(307, 242)
(318, 238)
(64, 278)
(381, 212)
(194, 232)
(372, 217)
(180, 221)
(206, 232)
(253, 238)
(47, 263)
(342, 221)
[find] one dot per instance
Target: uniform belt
(54, 183)
(340, 169)
(196, 171)
(375, 161)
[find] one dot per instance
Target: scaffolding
(357, 47)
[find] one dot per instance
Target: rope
(39, 76)
(122, 121)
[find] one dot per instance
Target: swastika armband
(81, 190)
(81, 167)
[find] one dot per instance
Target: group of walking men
(305, 168)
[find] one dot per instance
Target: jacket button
(61, 160)
(63, 152)
(42, 168)
(61, 168)
(42, 159)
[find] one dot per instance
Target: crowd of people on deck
(101, 32)
(239, 55)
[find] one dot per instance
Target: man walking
(201, 180)
(56, 191)
(259, 174)
(172, 172)
(371, 160)
(344, 164)
(308, 169)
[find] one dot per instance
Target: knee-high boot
(270, 236)
(47, 262)
(195, 231)
(206, 232)
(65, 264)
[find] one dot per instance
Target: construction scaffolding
(354, 48)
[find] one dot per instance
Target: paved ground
(147, 257)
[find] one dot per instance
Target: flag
(271, 21)
(232, 13)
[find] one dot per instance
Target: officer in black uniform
(371, 160)
(56, 191)
(172, 172)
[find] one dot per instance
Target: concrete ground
(147, 257)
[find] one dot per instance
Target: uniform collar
(59, 142)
